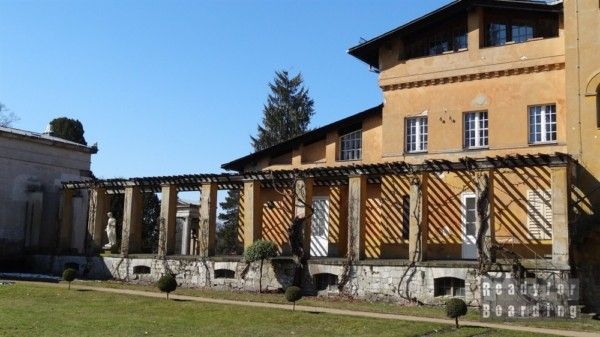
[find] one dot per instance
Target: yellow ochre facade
(502, 81)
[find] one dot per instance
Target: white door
(319, 234)
(469, 226)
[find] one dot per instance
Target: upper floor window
(542, 124)
(502, 27)
(351, 146)
(447, 36)
(476, 129)
(416, 134)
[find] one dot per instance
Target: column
(252, 212)
(167, 220)
(417, 231)
(357, 193)
(66, 221)
(131, 238)
(185, 236)
(304, 193)
(560, 218)
(207, 234)
(97, 219)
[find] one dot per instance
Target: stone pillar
(131, 238)
(357, 194)
(66, 221)
(207, 235)
(167, 220)
(417, 231)
(97, 219)
(252, 212)
(560, 218)
(185, 236)
(304, 194)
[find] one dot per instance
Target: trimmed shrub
(260, 251)
(293, 294)
(167, 284)
(455, 308)
(69, 275)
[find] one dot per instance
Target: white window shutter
(539, 214)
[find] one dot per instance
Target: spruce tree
(286, 114)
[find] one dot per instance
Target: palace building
(483, 157)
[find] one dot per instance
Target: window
(351, 146)
(448, 286)
(508, 26)
(522, 32)
(497, 34)
(470, 204)
(416, 134)
(476, 129)
(405, 216)
(141, 270)
(539, 214)
(325, 280)
(224, 273)
(542, 124)
(448, 36)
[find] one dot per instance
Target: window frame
(477, 130)
(450, 283)
(343, 151)
(543, 125)
(421, 146)
(542, 226)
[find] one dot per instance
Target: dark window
(449, 286)
(325, 280)
(141, 270)
(445, 37)
(505, 26)
(224, 273)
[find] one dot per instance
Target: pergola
(355, 176)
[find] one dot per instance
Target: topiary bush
(69, 275)
(293, 294)
(260, 251)
(455, 308)
(167, 284)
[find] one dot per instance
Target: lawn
(38, 310)
(585, 323)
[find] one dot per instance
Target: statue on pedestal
(111, 231)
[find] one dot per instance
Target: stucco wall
(30, 182)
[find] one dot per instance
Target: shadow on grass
(180, 300)
(84, 290)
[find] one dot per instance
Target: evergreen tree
(69, 129)
(287, 112)
(286, 115)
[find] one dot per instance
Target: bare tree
(7, 118)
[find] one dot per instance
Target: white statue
(111, 231)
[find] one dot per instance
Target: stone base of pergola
(369, 279)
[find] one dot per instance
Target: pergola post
(304, 194)
(167, 220)
(560, 217)
(417, 231)
(97, 218)
(252, 212)
(66, 220)
(208, 219)
(131, 237)
(185, 235)
(357, 193)
(485, 196)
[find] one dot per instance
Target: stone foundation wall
(370, 282)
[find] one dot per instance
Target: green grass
(583, 324)
(38, 310)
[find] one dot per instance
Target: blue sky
(177, 87)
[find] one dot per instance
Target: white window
(539, 214)
(416, 134)
(351, 146)
(476, 129)
(542, 124)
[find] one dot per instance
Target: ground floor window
(539, 214)
(449, 286)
